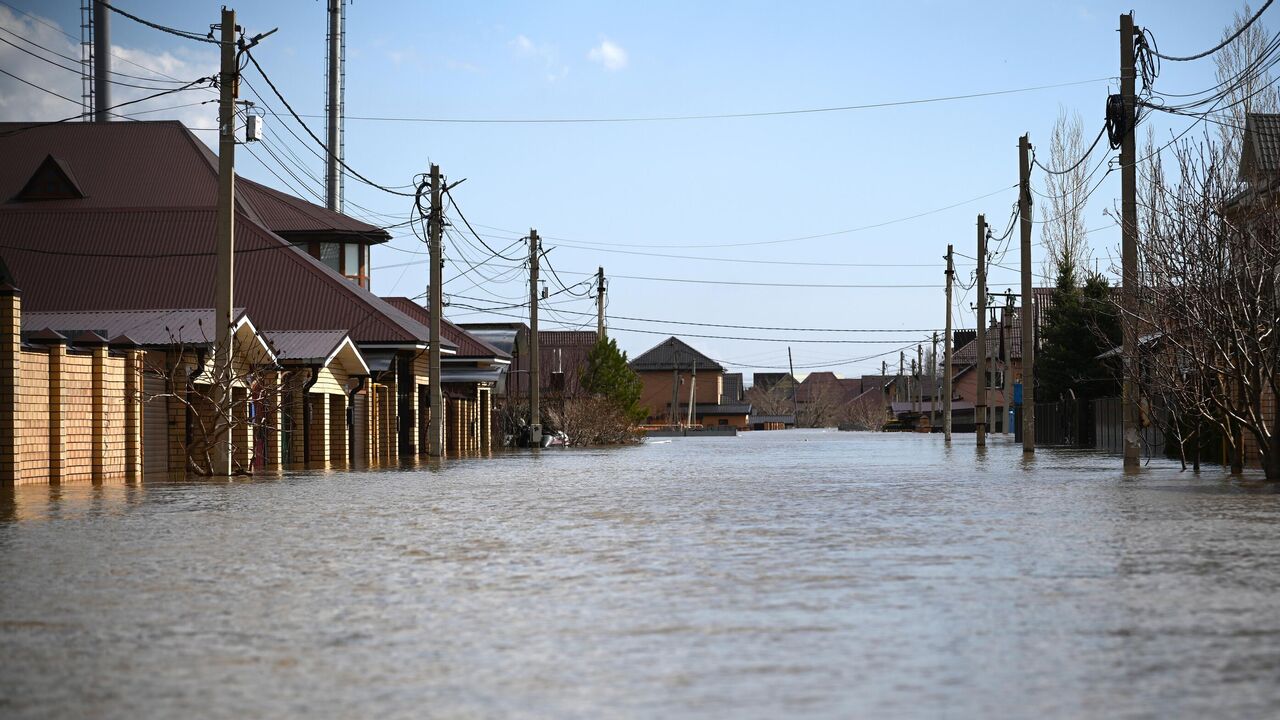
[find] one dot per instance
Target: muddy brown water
(784, 574)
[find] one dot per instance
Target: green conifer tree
(608, 375)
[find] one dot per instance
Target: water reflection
(773, 574)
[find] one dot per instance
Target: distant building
(676, 375)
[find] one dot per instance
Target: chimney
(101, 61)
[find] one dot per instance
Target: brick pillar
(57, 436)
(132, 414)
(10, 364)
(391, 406)
(486, 419)
(99, 427)
(369, 423)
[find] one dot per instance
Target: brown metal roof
(673, 353)
(144, 236)
(287, 215)
(305, 344)
(467, 345)
(145, 327)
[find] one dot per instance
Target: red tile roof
(143, 237)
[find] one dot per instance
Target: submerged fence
(1097, 424)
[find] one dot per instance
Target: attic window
(51, 181)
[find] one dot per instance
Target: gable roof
(191, 327)
(467, 345)
(1260, 146)
(671, 354)
(968, 353)
(143, 236)
(289, 216)
(50, 170)
(320, 347)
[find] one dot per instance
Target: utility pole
(228, 84)
(693, 390)
(902, 366)
(101, 61)
(1006, 352)
(535, 374)
(919, 377)
(980, 395)
(946, 351)
(795, 408)
(884, 397)
(933, 381)
(331, 199)
(1128, 248)
(435, 441)
(600, 291)
(1028, 309)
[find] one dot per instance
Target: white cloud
(545, 55)
(22, 102)
(609, 54)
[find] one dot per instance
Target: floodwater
(784, 574)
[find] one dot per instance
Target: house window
(351, 261)
(331, 255)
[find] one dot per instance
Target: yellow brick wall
(113, 401)
(77, 416)
(32, 415)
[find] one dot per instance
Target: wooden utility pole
(1028, 304)
(1128, 249)
(600, 291)
(435, 293)
(946, 351)
(693, 391)
(902, 366)
(980, 341)
(228, 83)
(919, 373)
(535, 373)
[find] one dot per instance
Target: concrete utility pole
(795, 407)
(946, 351)
(332, 200)
(435, 229)
(980, 342)
(933, 380)
(600, 291)
(535, 374)
(1128, 248)
(919, 373)
(1028, 304)
(228, 83)
(902, 366)
(884, 373)
(101, 61)
(693, 390)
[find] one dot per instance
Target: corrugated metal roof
(671, 354)
(1260, 149)
(144, 236)
(466, 344)
(305, 344)
(566, 338)
(145, 327)
(286, 214)
(968, 354)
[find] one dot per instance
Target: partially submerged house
(675, 376)
(122, 217)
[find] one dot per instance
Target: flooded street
(797, 573)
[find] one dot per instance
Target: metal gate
(155, 427)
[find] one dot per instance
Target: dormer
(52, 180)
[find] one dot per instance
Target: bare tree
(1249, 89)
(194, 382)
(1210, 259)
(865, 412)
(776, 400)
(1063, 233)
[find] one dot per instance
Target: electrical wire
(1220, 45)
(162, 28)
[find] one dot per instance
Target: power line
(186, 34)
(1220, 45)
(718, 116)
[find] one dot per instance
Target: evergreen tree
(608, 375)
(1081, 325)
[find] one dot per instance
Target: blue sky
(598, 192)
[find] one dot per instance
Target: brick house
(675, 375)
(87, 225)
